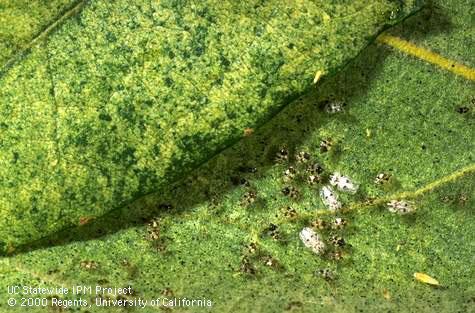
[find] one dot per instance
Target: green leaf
(404, 103)
(127, 96)
(22, 22)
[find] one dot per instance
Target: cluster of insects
(89, 265)
(290, 212)
(289, 174)
(248, 198)
(324, 238)
(153, 229)
(314, 174)
(167, 292)
(273, 231)
(461, 198)
(325, 145)
(382, 178)
(326, 274)
(247, 267)
(154, 234)
(341, 183)
(303, 170)
(401, 207)
(282, 155)
(253, 256)
(463, 110)
(291, 192)
(302, 157)
(333, 106)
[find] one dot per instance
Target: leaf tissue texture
(128, 96)
(23, 20)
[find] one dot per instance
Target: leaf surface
(127, 96)
(22, 21)
(401, 118)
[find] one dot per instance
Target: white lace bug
(312, 240)
(343, 183)
(330, 198)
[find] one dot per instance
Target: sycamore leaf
(200, 240)
(127, 96)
